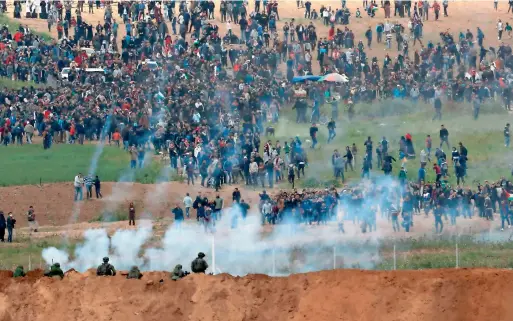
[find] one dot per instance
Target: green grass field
(31, 164)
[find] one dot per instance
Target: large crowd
(206, 98)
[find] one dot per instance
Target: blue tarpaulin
(304, 78)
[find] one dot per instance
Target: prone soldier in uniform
(134, 273)
(178, 273)
(19, 273)
(55, 270)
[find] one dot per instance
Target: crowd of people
(205, 98)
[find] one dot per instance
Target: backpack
(30, 216)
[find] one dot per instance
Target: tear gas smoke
(238, 251)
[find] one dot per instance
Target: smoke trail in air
(93, 166)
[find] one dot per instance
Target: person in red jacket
(438, 171)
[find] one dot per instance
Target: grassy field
(29, 253)
(31, 164)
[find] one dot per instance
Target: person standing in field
(78, 183)
(133, 157)
(88, 182)
(131, 214)
(3, 225)
(187, 202)
(97, 187)
(116, 137)
(11, 221)
(31, 217)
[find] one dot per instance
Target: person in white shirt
(253, 171)
(266, 212)
(500, 29)
(187, 202)
(78, 183)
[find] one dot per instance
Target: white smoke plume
(238, 251)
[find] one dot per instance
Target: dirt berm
(439, 295)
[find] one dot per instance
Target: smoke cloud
(288, 248)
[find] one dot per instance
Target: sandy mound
(331, 295)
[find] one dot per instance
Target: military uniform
(106, 269)
(18, 273)
(134, 273)
(55, 270)
(199, 265)
(177, 273)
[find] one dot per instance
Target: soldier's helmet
(201, 255)
(57, 265)
(105, 259)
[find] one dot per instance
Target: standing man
(11, 221)
(438, 105)
(88, 181)
(506, 135)
(368, 35)
(439, 224)
(178, 212)
(3, 225)
(313, 135)
(446, 5)
(78, 183)
(436, 9)
(187, 202)
(500, 29)
(218, 207)
(133, 156)
(331, 130)
(236, 196)
(349, 158)
(31, 217)
(97, 187)
(444, 137)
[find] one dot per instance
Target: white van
(66, 70)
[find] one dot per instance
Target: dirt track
(449, 295)
(54, 203)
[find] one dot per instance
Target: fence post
(274, 261)
(30, 262)
(214, 255)
(457, 257)
(395, 260)
(334, 257)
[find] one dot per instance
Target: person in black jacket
(97, 187)
(3, 225)
(349, 158)
(11, 221)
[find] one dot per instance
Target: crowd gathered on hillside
(205, 93)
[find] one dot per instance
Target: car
(66, 70)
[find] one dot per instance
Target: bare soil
(452, 295)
